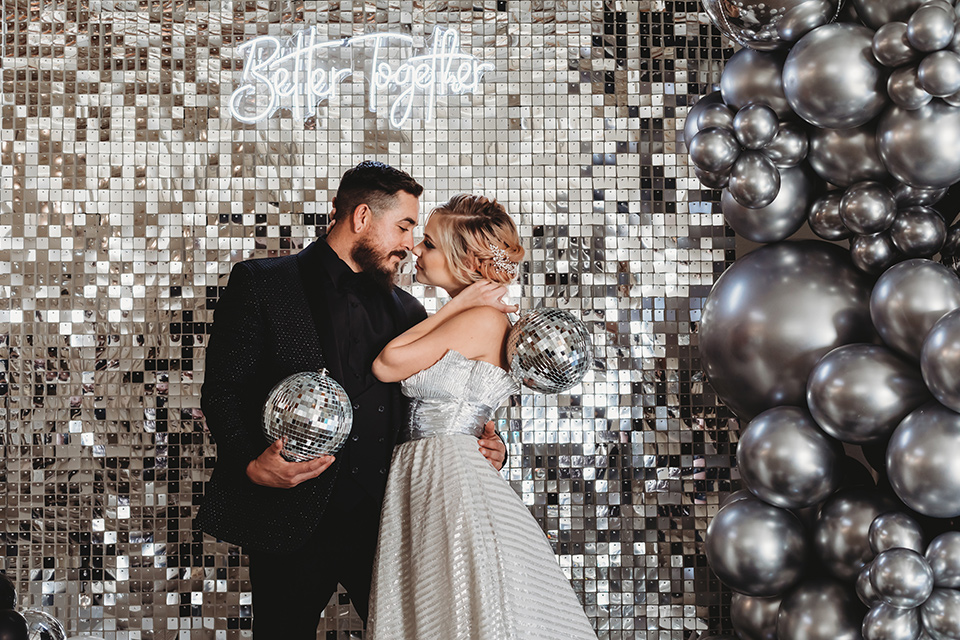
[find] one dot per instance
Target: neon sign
(300, 74)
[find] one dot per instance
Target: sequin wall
(129, 189)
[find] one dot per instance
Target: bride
(459, 555)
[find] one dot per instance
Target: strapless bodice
(455, 395)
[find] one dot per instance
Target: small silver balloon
(918, 232)
(788, 147)
(865, 591)
(930, 28)
(714, 149)
(907, 301)
(754, 180)
(716, 115)
(778, 220)
(712, 180)
(691, 126)
(843, 525)
(804, 18)
(755, 125)
(859, 393)
(867, 208)
(895, 530)
(891, 47)
(919, 147)
(820, 609)
(874, 253)
(908, 196)
(901, 577)
(312, 411)
(941, 614)
(887, 622)
(951, 246)
(922, 461)
(786, 460)
(750, 77)
(850, 93)
(754, 618)
(940, 360)
(905, 90)
(43, 626)
(876, 13)
(943, 554)
(824, 217)
(939, 73)
(549, 350)
(846, 156)
(755, 548)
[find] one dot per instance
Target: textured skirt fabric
(461, 558)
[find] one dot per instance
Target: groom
(307, 526)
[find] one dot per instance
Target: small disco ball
(43, 626)
(549, 350)
(312, 411)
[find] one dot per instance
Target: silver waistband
(431, 418)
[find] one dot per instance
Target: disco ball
(549, 350)
(312, 411)
(43, 626)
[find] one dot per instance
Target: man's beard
(373, 262)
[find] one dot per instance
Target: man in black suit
(307, 526)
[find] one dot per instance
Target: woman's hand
(484, 293)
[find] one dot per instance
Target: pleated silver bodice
(455, 396)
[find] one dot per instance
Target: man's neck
(342, 245)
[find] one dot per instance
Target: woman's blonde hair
(478, 238)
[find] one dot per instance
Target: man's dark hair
(374, 184)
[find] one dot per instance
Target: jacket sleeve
(232, 357)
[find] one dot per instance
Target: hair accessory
(502, 262)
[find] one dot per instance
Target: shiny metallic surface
(867, 208)
(901, 577)
(754, 618)
(943, 554)
(772, 24)
(845, 156)
(824, 217)
(929, 484)
(917, 145)
(896, 530)
(128, 192)
(841, 533)
(891, 47)
(887, 622)
(940, 360)
(549, 350)
(940, 614)
(312, 412)
(820, 609)
(779, 219)
(918, 232)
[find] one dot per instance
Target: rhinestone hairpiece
(502, 262)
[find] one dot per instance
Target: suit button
(355, 470)
(356, 405)
(380, 409)
(354, 437)
(383, 471)
(381, 439)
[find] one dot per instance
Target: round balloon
(759, 25)
(864, 588)
(778, 220)
(941, 614)
(8, 592)
(841, 535)
(918, 232)
(750, 77)
(891, 47)
(755, 125)
(13, 626)
(755, 548)
(845, 156)
(829, 82)
(919, 146)
(876, 13)
(754, 179)
(43, 626)
(820, 609)
(824, 217)
(867, 208)
(922, 461)
(908, 196)
(754, 618)
(905, 90)
(772, 315)
(901, 577)
(940, 360)
(691, 126)
(930, 28)
(874, 253)
(943, 554)
(785, 459)
(805, 17)
(860, 392)
(714, 149)
(895, 530)
(907, 301)
(939, 73)
(887, 622)
(789, 145)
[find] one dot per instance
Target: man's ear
(362, 216)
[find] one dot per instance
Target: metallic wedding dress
(460, 557)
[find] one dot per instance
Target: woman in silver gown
(460, 557)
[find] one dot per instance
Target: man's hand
(484, 293)
(492, 447)
(270, 469)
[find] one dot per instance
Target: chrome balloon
(845, 156)
(874, 253)
(691, 126)
(865, 591)
(908, 196)
(941, 614)
(789, 145)
(905, 90)
(930, 28)
(867, 208)
(751, 76)
(754, 180)
(940, 360)
(939, 73)
(841, 533)
(754, 618)
(887, 622)
(891, 47)
(771, 24)
(876, 13)
(716, 115)
(755, 125)
(714, 149)
(919, 147)
(778, 220)
(820, 609)
(895, 530)
(901, 577)
(943, 554)
(918, 232)
(824, 217)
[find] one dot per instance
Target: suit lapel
(311, 272)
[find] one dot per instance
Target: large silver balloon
(751, 76)
(820, 609)
(939, 73)
(755, 548)
(712, 180)
(895, 530)
(943, 554)
(805, 17)
(754, 618)
(922, 460)
(865, 591)
(312, 411)
(778, 220)
(867, 208)
(691, 125)
(549, 350)
(716, 115)
(876, 13)
(789, 145)
(758, 24)
(908, 196)
(772, 315)
(887, 622)
(907, 301)
(754, 180)
(905, 90)
(919, 146)
(918, 232)
(845, 156)
(860, 392)
(786, 460)
(941, 614)
(714, 149)
(930, 28)
(841, 535)
(901, 577)
(874, 253)
(951, 246)
(940, 360)
(830, 81)
(824, 217)
(755, 125)
(891, 47)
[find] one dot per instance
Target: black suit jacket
(270, 322)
